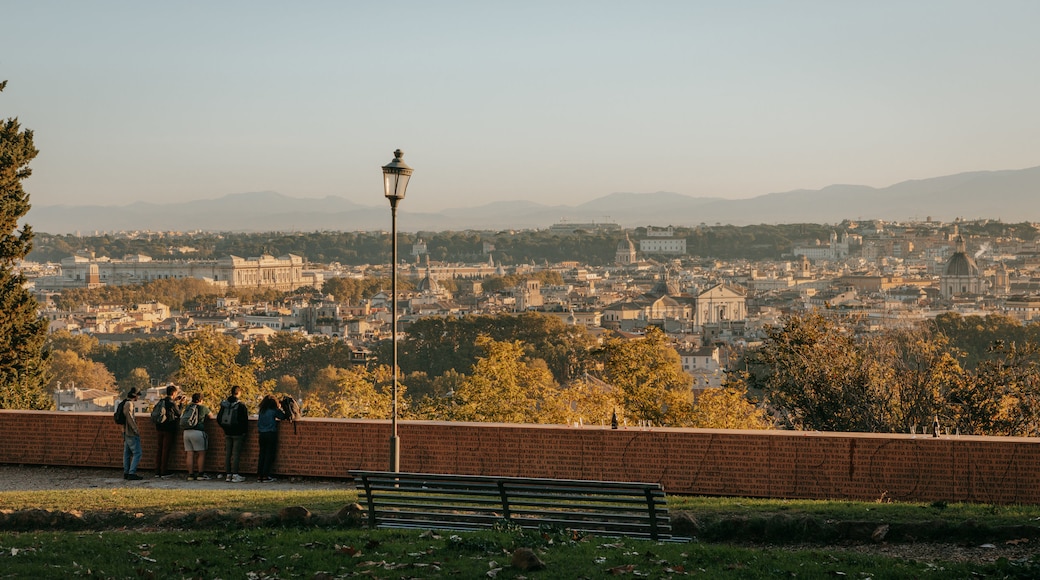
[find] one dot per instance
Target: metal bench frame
(472, 502)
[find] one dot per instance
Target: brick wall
(781, 464)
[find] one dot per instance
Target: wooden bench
(471, 502)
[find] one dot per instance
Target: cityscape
(727, 290)
(865, 276)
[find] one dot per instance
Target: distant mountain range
(1012, 196)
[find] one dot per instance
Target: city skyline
(544, 103)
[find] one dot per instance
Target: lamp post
(395, 181)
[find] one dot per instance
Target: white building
(663, 246)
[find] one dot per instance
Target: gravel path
(35, 477)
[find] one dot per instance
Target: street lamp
(395, 181)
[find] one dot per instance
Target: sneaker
(157, 475)
(202, 476)
(236, 479)
(133, 477)
(268, 480)
(166, 476)
(227, 479)
(191, 477)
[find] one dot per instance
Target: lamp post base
(395, 454)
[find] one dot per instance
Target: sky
(551, 102)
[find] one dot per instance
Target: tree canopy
(22, 332)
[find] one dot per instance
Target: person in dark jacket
(233, 418)
(166, 431)
(267, 432)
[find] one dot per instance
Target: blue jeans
(131, 453)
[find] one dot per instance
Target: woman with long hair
(267, 430)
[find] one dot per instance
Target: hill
(1010, 194)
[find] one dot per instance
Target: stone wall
(777, 464)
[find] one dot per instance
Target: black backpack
(120, 415)
(230, 415)
(292, 410)
(192, 418)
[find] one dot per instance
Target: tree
(815, 376)
(728, 407)
(589, 401)
(155, 355)
(138, 379)
(1004, 397)
(22, 331)
(505, 388)
(649, 379)
(348, 393)
(435, 345)
(208, 366)
(82, 344)
(919, 371)
(66, 367)
(302, 357)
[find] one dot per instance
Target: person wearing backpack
(233, 418)
(165, 416)
(131, 436)
(267, 432)
(193, 422)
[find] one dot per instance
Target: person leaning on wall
(193, 421)
(131, 437)
(233, 418)
(165, 415)
(267, 434)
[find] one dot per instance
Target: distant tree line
(752, 242)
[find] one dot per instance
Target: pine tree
(22, 331)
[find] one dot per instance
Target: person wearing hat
(131, 438)
(166, 415)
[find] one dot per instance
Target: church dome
(961, 264)
(428, 285)
(626, 245)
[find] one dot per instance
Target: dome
(626, 245)
(962, 264)
(428, 285)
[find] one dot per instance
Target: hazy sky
(554, 102)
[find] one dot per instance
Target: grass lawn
(327, 553)
(136, 547)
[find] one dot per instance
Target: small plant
(506, 526)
